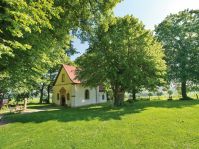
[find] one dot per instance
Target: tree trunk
(184, 90)
(48, 96)
(41, 93)
(134, 94)
(1, 103)
(118, 98)
(25, 103)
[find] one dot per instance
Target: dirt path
(34, 110)
(29, 110)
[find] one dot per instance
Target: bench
(17, 108)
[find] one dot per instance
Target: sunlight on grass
(143, 124)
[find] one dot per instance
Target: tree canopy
(179, 34)
(125, 56)
(36, 35)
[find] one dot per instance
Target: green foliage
(179, 36)
(22, 17)
(170, 92)
(159, 93)
(36, 35)
(126, 56)
(150, 94)
(29, 53)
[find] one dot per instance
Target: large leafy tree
(179, 33)
(23, 48)
(125, 56)
(34, 34)
(59, 16)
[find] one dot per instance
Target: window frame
(103, 97)
(63, 78)
(87, 94)
(57, 96)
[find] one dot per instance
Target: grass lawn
(144, 124)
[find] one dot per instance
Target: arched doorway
(63, 100)
(63, 97)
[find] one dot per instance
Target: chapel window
(87, 94)
(103, 97)
(57, 96)
(63, 78)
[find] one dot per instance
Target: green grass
(143, 124)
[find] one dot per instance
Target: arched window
(57, 96)
(63, 78)
(68, 96)
(103, 97)
(87, 94)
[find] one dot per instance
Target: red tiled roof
(71, 71)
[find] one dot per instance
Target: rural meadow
(105, 74)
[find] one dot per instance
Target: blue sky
(150, 12)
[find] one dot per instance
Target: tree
(21, 17)
(170, 92)
(56, 18)
(194, 88)
(34, 34)
(125, 56)
(23, 48)
(180, 38)
(159, 94)
(150, 94)
(21, 90)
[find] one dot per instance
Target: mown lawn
(144, 124)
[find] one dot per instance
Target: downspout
(74, 93)
(96, 94)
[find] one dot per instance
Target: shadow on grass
(99, 112)
(42, 106)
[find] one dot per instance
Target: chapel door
(63, 100)
(63, 96)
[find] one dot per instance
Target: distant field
(143, 124)
(165, 97)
